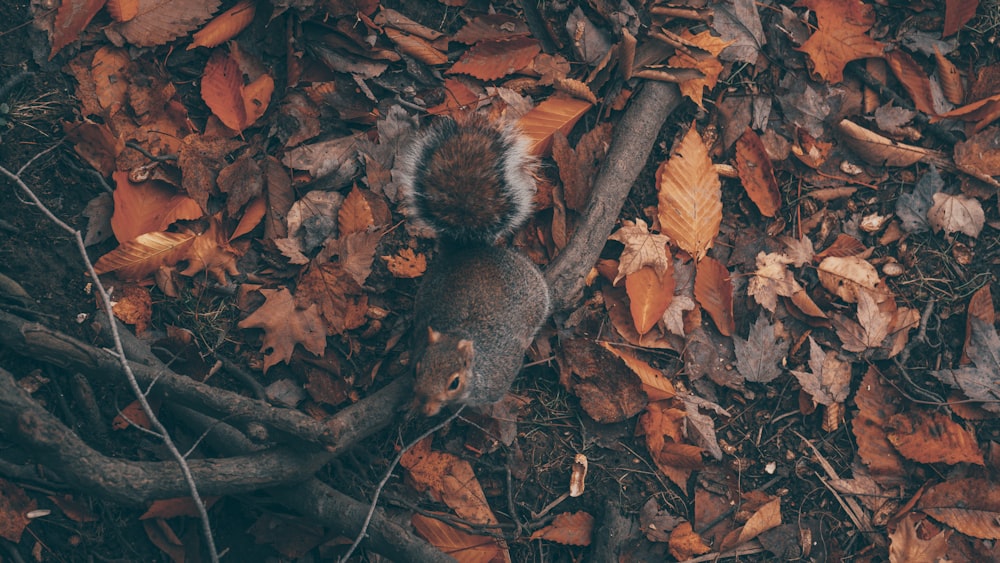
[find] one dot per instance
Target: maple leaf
(707, 63)
(772, 279)
(285, 325)
(912, 207)
(981, 382)
(759, 357)
(907, 547)
(642, 248)
(830, 379)
(841, 36)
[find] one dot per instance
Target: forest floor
(744, 405)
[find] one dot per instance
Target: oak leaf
(341, 301)
(406, 264)
(690, 196)
(663, 426)
(703, 58)
(286, 325)
(980, 383)
(772, 279)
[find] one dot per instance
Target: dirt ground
(765, 430)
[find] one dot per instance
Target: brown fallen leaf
(933, 437)
(14, 507)
(713, 288)
(957, 214)
(690, 196)
(607, 390)
(841, 36)
(649, 296)
(907, 547)
(146, 253)
(757, 173)
(236, 104)
(685, 543)
(226, 25)
(71, 19)
(662, 425)
(406, 264)
(828, 383)
(147, 207)
(971, 506)
(772, 278)
(157, 22)
(458, 543)
(284, 326)
(449, 479)
(847, 276)
(557, 113)
(490, 60)
(568, 529)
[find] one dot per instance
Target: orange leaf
(462, 545)
(907, 547)
(71, 19)
(355, 215)
(146, 253)
(685, 543)
(757, 174)
(226, 25)
(950, 78)
(133, 414)
(913, 78)
(456, 97)
(568, 529)
(147, 207)
(406, 264)
(490, 60)
(157, 22)
(841, 36)
(110, 69)
(713, 289)
(252, 216)
(956, 14)
(971, 506)
(133, 306)
(418, 48)
(222, 90)
(123, 10)
(256, 97)
(690, 196)
(877, 403)
(558, 113)
(649, 296)
(933, 437)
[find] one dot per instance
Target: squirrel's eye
(453, 385)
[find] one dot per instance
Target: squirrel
(479, 305)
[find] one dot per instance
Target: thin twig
(385, 479)
(120, 351)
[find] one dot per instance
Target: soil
(520, 480)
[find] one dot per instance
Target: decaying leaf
(713, 289)
(912, 207)
(830, 379)
(847, 276)
(226, 25)
(406, 264)
(757, 174)
(608, 392)
(882, 151)
(772, 279)
(448, 479)
(982, 382)
(146, 253)
(662, 425)
(236, 104)
(685, 543)
(642, 249)
(558, 113)
(690, 196)
(156, 22)
(489, 60)
(877, 403)
(456, 542)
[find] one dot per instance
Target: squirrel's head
(443, 372)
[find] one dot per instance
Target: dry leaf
(284, 326)
(157, 22)
(933, 437)
(123, 10)
(759, 358)
(642, 249)
(71, 19)
(685, 543)
(971, 506)
(406, 264)
(607, 391)
(578, 476)
(226, 25)
(706, 63)
(846, 276)
(238, 106)
(557, 113)
(656, 385)
(757, 174)
(663, 427)
(464, 546)
(342, 302)
(568, 529)
(950, 79)
(907, 547)
(14, 507)
(956, 14)
(772, 279)
(146, 253)
(829, 382)
(490, 60)
(416, 47)
(956, 214)
(147, 207)
(649, 296)
(981, 382)
(877, 403)
(913, 78)
(690, 196)
(133, 306)
(841, 36)
(713, 289)
(879, 150)
(449, 479)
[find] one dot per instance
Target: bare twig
(133, 384)
(385, 479)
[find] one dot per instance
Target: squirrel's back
(468, 180)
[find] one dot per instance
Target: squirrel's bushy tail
(469, 180)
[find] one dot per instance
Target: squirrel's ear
(465, 346)
(433, 336)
